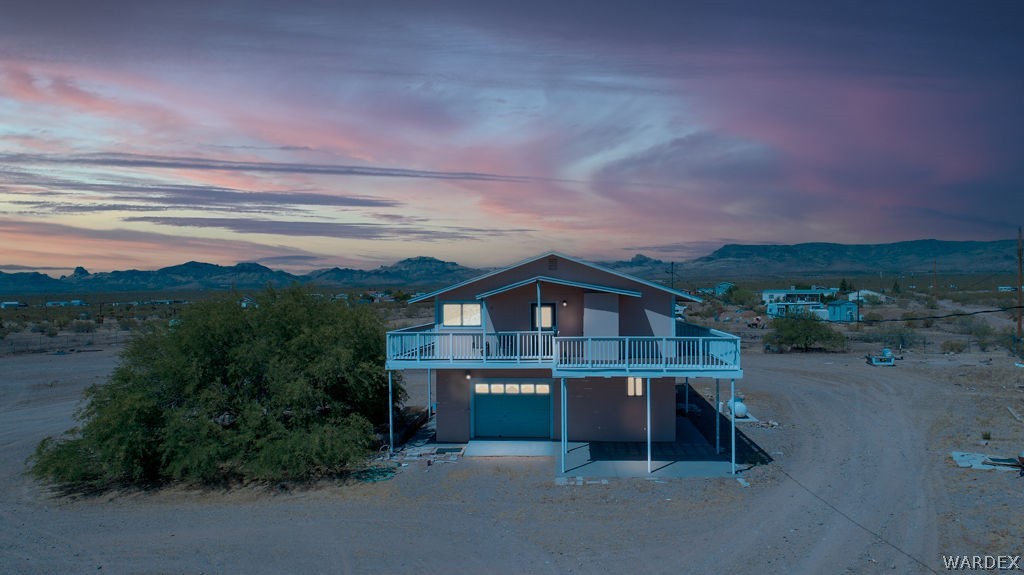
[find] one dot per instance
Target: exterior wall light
(468, 375)
(565, 303)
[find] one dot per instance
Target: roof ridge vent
(552, 263)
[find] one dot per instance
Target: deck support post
(648, 426)
(687, 390)
(718, 420)
(391, 418)
(430, 406)
(536, 318)
(565, 424)
(732, 395)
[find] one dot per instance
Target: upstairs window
(460, 314)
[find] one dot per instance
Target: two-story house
(555, 348)
(794, 302)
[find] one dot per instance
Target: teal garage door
(512, 410)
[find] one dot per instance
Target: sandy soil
(861, 482)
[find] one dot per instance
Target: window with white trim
(545, 315)
(635, 386)
(461, 314)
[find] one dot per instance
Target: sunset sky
(305, 135)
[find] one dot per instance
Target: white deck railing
(411, 349)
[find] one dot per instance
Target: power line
(855, 522)
(947, 316)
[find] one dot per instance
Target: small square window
(481, 388)
(512, 388)
(526, 388)
(543, 389)
(497, 388)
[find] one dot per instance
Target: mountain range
(728, 262)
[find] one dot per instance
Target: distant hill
(730, 261)
(913, 256)
(419, 271)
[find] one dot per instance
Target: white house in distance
(556, 348)
(797, 302)
(863, 295)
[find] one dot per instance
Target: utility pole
(1020, 279)
(672, 274)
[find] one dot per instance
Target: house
(556, 348)
(793, 295)
(866, 295)
(794, 302)
(719, 290)
(11, 304)
(843, 311)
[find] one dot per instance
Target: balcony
(713, 353)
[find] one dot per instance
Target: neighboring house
(863, 295)
(843, 311)
(719, 290)
(11, 304)
(793, 295)
(794, 302)
(508, 346)
(815, 309)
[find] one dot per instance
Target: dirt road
(861, 483)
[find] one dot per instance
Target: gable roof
(559, 281)
(675, 292)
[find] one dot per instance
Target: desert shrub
(805, 333)
(289, 390)
(909, 319)
(873, 317)
(127, 324)
(901, 337)
(83, 326)
(46, 328)
(953, 346)
(742, 297)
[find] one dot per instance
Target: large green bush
(805, 333)
(288, 389)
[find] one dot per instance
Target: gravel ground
(861, 482)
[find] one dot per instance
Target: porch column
(718, 417)
(391, 420)
(648, 425)
(732, 394)
(536, 317)
(483, 329)
(430, 406)
(565, 425)
(687, 389)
